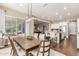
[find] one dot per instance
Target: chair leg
(14, 54)
(49, 53)
(37, 53)
(11, 51)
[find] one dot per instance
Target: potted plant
(29, 37)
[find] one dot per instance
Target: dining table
(27, 45)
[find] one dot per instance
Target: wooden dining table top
(26, 44)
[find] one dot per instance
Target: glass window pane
(14, 25)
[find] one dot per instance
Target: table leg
(27, 53)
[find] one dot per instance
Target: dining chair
(43, 50)
(41, 36)
(36, 36)
(54, 38)
(14, 50)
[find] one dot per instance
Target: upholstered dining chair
(54, 37)
(35, 36)
(43, 50)
(41, 36)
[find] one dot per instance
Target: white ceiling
(48, 11)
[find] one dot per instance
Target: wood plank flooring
(68, 47)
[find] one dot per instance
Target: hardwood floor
(68, 47)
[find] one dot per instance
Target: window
(14, 26)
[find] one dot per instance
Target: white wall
(78, 33)
(29, 26)
(2, 20)
(26, 28)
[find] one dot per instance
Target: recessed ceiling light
(20, 5)
(48, 18)
(60, 17)
(56, 13)
(68, 14)
(65, 8)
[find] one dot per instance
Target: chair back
(35, 35)
(41, 36)
(44, 48)
(13, 47)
